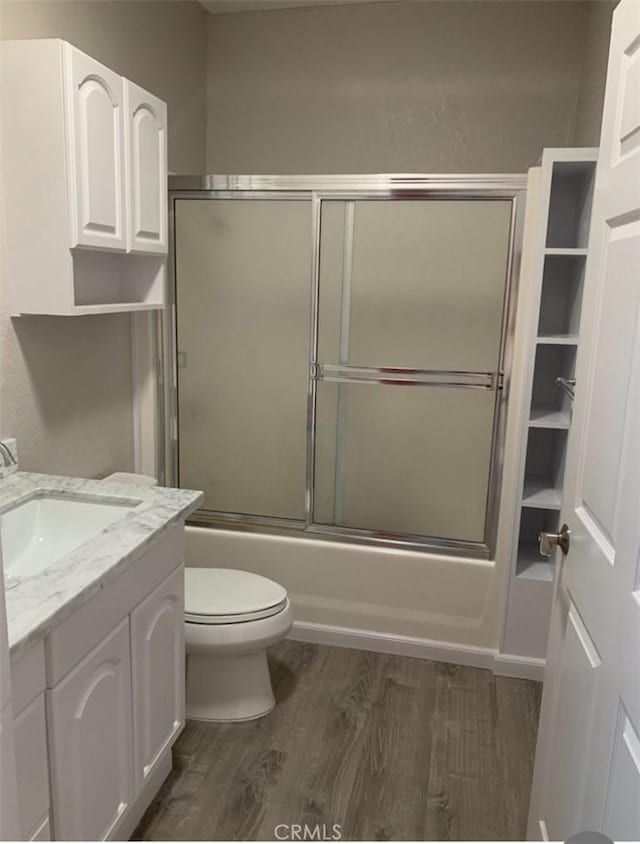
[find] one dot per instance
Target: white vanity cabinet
(158, 654)
(111, 678)
(84, 170)
(91, 742)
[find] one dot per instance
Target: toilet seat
(230, 596)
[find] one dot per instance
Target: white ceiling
(221, 7)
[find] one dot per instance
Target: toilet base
(228, 688)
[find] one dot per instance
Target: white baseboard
(392, 643)
(414, 646)
(522, 667)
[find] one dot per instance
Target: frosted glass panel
(415, 283)
(418, 283)
(406, 459)
(243, 276)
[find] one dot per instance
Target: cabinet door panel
(90, 735)
(95, 101)
(157, 636)
(30, 735)
(147, 169)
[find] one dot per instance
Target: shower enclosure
(340, 353)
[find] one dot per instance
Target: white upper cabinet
(95, 99)
(84, 172)
(146, 146)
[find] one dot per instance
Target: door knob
(561, 539)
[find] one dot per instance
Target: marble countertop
(37, 603)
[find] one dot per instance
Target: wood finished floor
(388, 747)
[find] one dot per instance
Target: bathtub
(395, 601)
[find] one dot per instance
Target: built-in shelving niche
(104, 281)
(561, 300)
(570, 204)
(544, 468)
(550, 413)
(530, 564)
(550, 404)
(550, 336)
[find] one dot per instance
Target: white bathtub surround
(403, 602)
(412, 593)
(35, 604)
(9, 445)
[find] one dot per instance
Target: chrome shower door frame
(317, 189)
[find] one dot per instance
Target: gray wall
(429, 87)
(159, 44)
(435, 86)
(595, 53)
(66, 384)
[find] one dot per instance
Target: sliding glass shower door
(339, 359)
(242, 302)
(411, 299)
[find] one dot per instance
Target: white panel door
(91, 742)
(96, 159)
(158, 653)
(587, 772)
(146, 142)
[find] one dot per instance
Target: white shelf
(566, 251)
(557, 339)
(555, 419)
(531, 565)
(116, 308)
(542, 497)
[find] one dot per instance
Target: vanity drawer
(71, 640)
(32, 770)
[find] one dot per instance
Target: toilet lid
(225, 596)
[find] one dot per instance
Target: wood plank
(388, 747)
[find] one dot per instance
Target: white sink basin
(40, 530)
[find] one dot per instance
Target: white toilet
(231, 618)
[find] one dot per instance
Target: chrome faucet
(7, 458)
